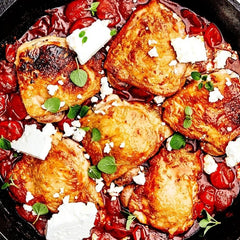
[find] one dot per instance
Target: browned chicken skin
(166, 200)
(63, 172)
(136, 125)
(46, 61)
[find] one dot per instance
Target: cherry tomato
(107, 9)
(11, 130)
(78, 9)
(8, 77)
(192, 18)
(207, 195)
(16, 109)
(10, 52)
(223, 177)
(212, 35)
(198, 207)
(64, 120)
(223, 200)
(81, 23)
(3, 103)
(125, 8)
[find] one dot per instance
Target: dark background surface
(24, 13)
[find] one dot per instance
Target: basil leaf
(84, 111)
(93, 7)
(5, 144)
(188, 110)
(5, 185)
(178, 141)
(79, 77)
(130, 219)
(96, 135)
(94, 173)
(196, 76)
(209, 86)
(73, 111)
(187, 123)
(107, 165)
(81, 34)
(113, 32)
(52, 104)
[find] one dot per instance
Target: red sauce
(216, 192)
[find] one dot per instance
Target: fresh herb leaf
(187, 123)
(5, 144)
(84, 39)
(52, 104)
(79, 77)
(84, 111)
(96, 135)
(208, 222)
(196, 76)
(200, 85)
(39, 209)
(178, 141)
(82, 34)
(94, 173)
(73, 111)
(93, 7)
(8, 184)
(5, 185)
(107, 165)
(209, 86)
(204, 77)
(188, 110)
(85, 128)
(113, 32)
(130, 219)
(188, 117)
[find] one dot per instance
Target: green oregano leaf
(96, 135)
(94, 173)
(200, 85)
(93, 7)
(188, 110)
(39, 209)
(8, 184)
(178, 141)
(85, 128)
(79, 77)
(5, 144)
(84, 39)
(204, 77)
(209, 86)
(107, 165)
(196, 76)
(81, 34)
(52, 104)
(5, 185)
(187, 123)
(84, 110)
(73, 111)
(130, 219)
(113, 32)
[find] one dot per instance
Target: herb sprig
(203, 81)
(130, 219)
(39, 209)
(79, 76)
(208, 222)
(188, 117)
(93, 8)
(178, 141)
(8, 184)
(5, 144)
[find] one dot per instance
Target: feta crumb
(79, 96)
(115, 104)
(189, 49)
(163, 124)
(221, 58)
(79, 134)
(122, 145)
(73, 221)
(134, 1)
(60, 82)
(35, 142)
(233, 153)
(68, 130)
(107, 148)
(140, 178)
(215, 95)
(29, 196)
(27, 208)
(62, 104)
(61, 190)
(153, 52)
(114, 191)
(158, 99)
(151, 42)
(52, 89)
(94, 99)
(76, 124)
(56, 195)
(209, 165)
(86, 155)
(99, 112)
(228, 82)
(99, 184)
(105, 89)
(98, 34)
(173, 63)
(229, 129)
(168, 146)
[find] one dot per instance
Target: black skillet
(16, 16)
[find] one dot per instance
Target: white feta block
(221, 58)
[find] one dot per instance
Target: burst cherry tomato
(212, 35)
(78, 9)
(10, 52)
(3, 103)
(223, 177)
(126, 8)
(11, 130)
(64, 120)
(223, 200)
(207, 195)
(107, 9)
(81, 23)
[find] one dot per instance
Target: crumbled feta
(107, 148)
(115, 104)
(68, 130)
(79, 134)
(79, 96)
(94, 99)
(56, 195)
(61, 190)
(52, 89)
(221, 58)
(98, 34)
(153, 52)
(27, 208)
(105, 89)
(229, 129)
(228, 82)
(99, 184)
(86, 155)
(114, 191)
(76, 124)
(122, 145)
(168, 146)
(233, 153)
(29, 196)
(209, 165)
(189, 49)
(60, 82)
(35, 142)
(73, 221)
(215, 95)
(151, 42)
(140, 178)
(99, 112)
(62, 104)
(158, 99)
(173, 63)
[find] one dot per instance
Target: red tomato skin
(213, 36)
(11, 130)
(81, 23)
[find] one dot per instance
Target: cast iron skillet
(16, 16)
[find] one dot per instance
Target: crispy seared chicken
(63, 173)
(141, 54)
(48, 61)
(215, 123)
(166, 200)
(130, 132)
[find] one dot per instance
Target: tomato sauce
(216, 192)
